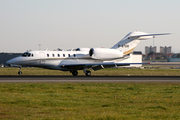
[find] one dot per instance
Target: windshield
(26, 54)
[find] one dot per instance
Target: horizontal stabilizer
(150, 35)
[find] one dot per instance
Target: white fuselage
(54, 59)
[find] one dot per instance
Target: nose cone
(16, 60)
(9, 61)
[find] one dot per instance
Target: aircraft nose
(9, 61)
(13, 61)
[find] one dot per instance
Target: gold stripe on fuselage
(128, 52)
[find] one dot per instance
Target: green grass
(104, 72)
(97, 101)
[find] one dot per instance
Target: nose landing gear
(19, 72)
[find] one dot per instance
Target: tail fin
(131, 40)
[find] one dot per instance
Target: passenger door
(42, 58)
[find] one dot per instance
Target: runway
(85, 79)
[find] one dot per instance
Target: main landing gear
(75, 72)
(19, 72)
(87, 72)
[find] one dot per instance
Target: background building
(174, 58)
(150, 49)
(151, 53)
(4, 57)
(165, 50)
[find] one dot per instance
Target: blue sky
(85, 23)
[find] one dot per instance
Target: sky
(40, 24)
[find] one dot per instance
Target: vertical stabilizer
(131, 40)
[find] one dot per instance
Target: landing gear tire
(20, 73)
(88, 73)
(74, 73)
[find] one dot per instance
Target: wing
(95, 66)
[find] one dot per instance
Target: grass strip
(103, 72)
(99, 101)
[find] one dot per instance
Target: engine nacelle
(105, 53)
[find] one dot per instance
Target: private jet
(85, 59)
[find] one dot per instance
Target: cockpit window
(26, 54)
(77, 49)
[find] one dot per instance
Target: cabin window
(53, 55)
(69, 55)
(47, 55)
(74, 55)
(63, 55)
(58, 55)
(32, 55)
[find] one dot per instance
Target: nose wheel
(19, 72)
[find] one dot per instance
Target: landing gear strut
(75, 73)
(19, 72)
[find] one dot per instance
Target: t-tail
(131, 40)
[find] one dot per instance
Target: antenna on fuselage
(39, 46)
(153, 48)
